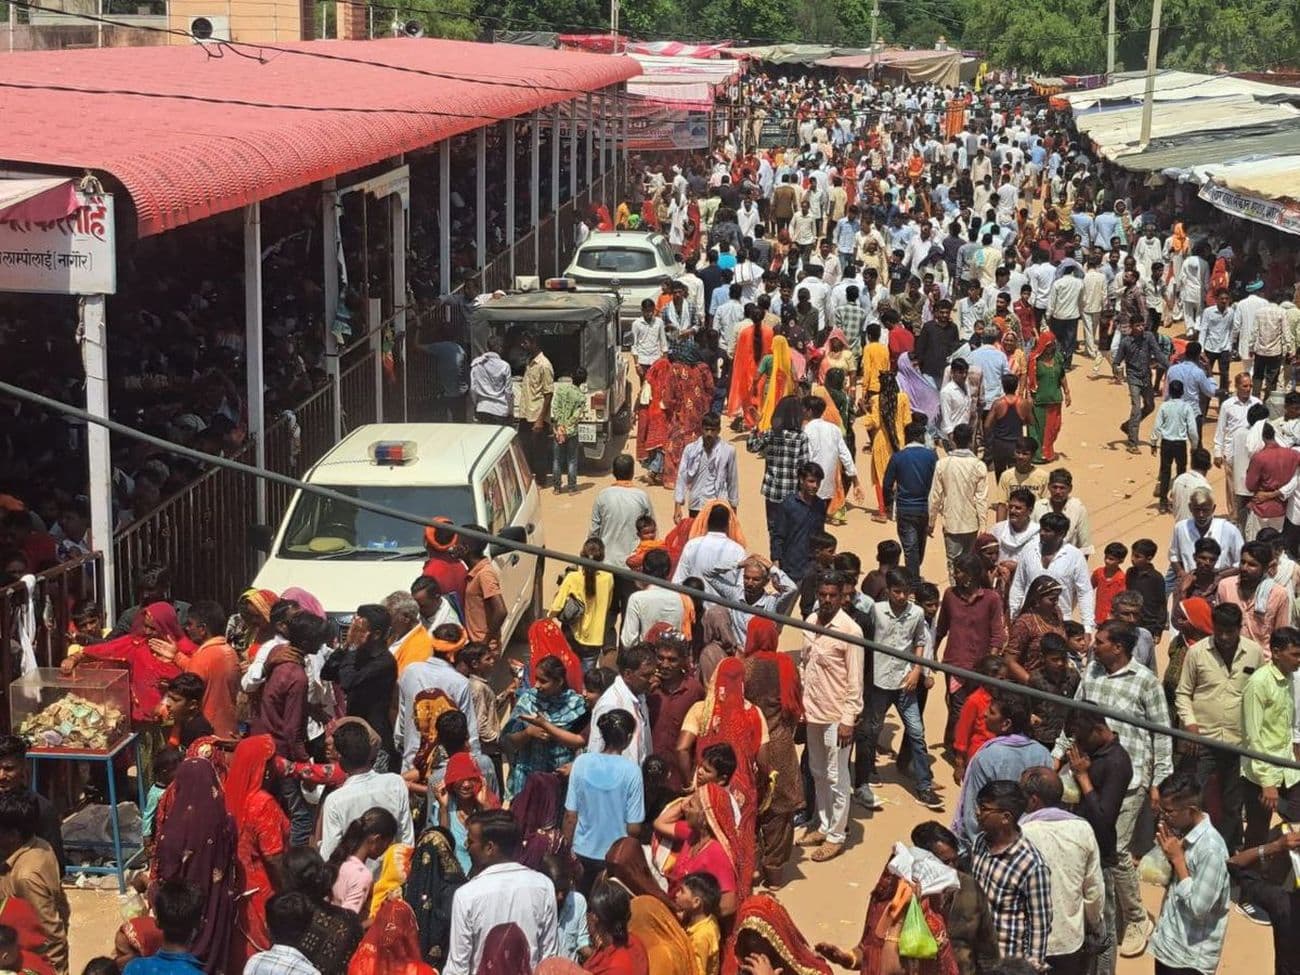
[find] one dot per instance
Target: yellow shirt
(706, 939)
(590, 629)
(875, 360)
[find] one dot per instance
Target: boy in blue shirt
(178, 908)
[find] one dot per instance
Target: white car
(633, 262)
(472, 473)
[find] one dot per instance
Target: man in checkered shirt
(1012, 874)
(1113, 680)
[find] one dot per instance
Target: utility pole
(613, 24)
(875, 25)
(1153, 55)
(1110, 40)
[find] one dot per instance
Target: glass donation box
(88, 710)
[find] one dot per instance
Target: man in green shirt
(1268, 711)
(567, 403)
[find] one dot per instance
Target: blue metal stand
(106, 758)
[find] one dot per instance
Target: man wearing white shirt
(1218, 332)
(651, 604)
(649, 339)
(362, 789)
(1092, 300)
(434, 673)
(747, 217)
(701, 556)
(1193, 279)
(1042, 275)
(1232, 417)
(1051, 555)
(500, 891)
(694, 290)
(1019, 529)
(1203, 524)
(954, 400)
(827, 448)
(1247, 310)
(727, 318)
(707, 472)
(1064, 309)
(748, 275)
(636, 665)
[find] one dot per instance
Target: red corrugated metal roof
(186, 158)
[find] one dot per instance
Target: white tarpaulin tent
(1118, 131)
(1177, 86)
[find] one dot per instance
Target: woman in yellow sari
(667, 946)
(776, 378)
(890, 414)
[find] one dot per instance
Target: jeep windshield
(322, 528)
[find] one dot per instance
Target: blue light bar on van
(393, 453)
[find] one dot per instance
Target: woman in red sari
(652, 426)
(728, 718)
(263, 835)
(772, 683)
(764, 928)
(691, 246)
(686, 399)
(753, 342)
(148, 652)
(392, 945)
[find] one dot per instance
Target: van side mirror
(260, 538)
(511, 533)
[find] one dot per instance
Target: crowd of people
(910, 278)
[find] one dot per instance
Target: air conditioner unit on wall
(206, 28)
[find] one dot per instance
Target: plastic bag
(915, 940)
(1155, 869)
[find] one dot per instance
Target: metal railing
(50, 603)
(200, 533)
(357, 393)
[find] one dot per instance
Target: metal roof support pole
(480, 199)
(444, 216)
(509, 126)
(94, 359)
(605, 133)
(555, 185)
(398, 211)
(589, 139)
(329, 202)
(254, 368)
(534, 188)
(573, 151)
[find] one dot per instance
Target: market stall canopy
(1118, 132)
(678, 49)
(935, 67)
(686, 83)
(190, 134)
(787, 53)
(37, 200)
(1179, 86)
(1277, 178)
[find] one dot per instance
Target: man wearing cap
(436, 673)
(443, 564)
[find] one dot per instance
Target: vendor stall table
(120, 857)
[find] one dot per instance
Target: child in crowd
(178, 909)
(87, 625)
(367, 837)
(477, 661)
(1047, 719)
(647, 535)
(165, 763)
(697, 901)
(1076, 638)
(1108, 579)
(573, 940)
(971, 731)
(1173, 432)
(888, 556)
(717, 764)
(183, 708)
(656, 787)
(1144, 579)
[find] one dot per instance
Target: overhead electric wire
(1010, 687)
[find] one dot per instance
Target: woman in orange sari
(263, 834)
(687, 396)
(392, 945)
(652, 426)
(752, 343)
